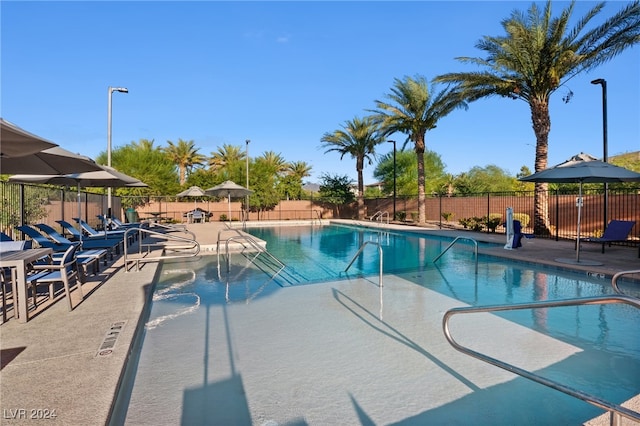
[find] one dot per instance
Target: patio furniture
(96, 249)
(617, 231)
(94, 242)
(64, 271)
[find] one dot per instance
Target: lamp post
(394, 178)
(603, 83)
(247, 158)
(111, 90)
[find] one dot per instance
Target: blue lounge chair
(85, 258)
(617, 231)
(95, 248)
(76, 235)
(90, 231)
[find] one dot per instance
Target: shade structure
(17, 142)
(583, 168)
(104, 177)
(194, 191)
(51, 161)
(230, 190)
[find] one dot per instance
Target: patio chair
(116, 224)
(197, 216)
(96, 249)
(63, 271)
(616, 231)
(85, 258)
(94, 242)
(90, 231)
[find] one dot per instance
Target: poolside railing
(616, 411)
(455, 241)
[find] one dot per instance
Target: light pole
(394, 178)
(111, 90)
(247, 158)
(603, 83)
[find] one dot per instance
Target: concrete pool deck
(54, 363)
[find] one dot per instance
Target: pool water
(608, 364)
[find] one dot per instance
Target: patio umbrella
(17, 142)
(228, 189)
(51, 161)
(582, 168)
(194, 191)
(104, 177)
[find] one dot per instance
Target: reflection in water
(540, 293)
(172, 293)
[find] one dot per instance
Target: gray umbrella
(194, 191)
(17, 142)
(230, 190)
(51, 161)
(104, 177)
(583, 168)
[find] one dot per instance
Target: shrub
(447, 216)
(401, 215)
(523, 218)
(223, 218)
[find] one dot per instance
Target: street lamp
(111, 90)
(603, 83)
(247, 158)
(394, 178)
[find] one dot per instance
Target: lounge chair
(116, 224)
(85, 258)
(89, 248)
(616, 231)
(76, 235)
(90, 231)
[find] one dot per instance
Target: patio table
(20, 259)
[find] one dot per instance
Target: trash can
(131, 215)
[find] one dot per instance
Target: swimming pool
(245, 348)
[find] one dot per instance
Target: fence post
(557, 215)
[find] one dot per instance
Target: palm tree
(274, 162)
(413, 111)
(359, 139)
(225, 157)
(299, 170)
(185, 155)
(535, 58)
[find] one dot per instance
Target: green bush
(447, 216)
(523, 218)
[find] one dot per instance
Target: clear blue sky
(282, 74)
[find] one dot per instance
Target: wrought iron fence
(30, 204)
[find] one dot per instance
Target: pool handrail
(380, 274)
(616, 277)
(192, 245)
(615, 410)
(379, 215)
(455, 241)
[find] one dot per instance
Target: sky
(282, 74)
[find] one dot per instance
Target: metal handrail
(614, 409)
(614, 279)
(255, 245)
(455, 241)
(380, 256)
(379, 215)
(167, 237)
(313, 220)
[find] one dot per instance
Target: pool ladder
(188, 247)
(379, 216)
(475, 243)
(616, 412)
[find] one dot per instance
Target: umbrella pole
(229, 204)
(79, 210)
(578, 230)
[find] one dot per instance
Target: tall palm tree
(225, 157)
(414, 110)
(299, 169)
(274, 161)
(185, 155)
(535, 58)
(358, 138)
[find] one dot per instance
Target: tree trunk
(541, 127)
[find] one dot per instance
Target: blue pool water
(608, 365)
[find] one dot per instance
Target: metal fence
(30, 204)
